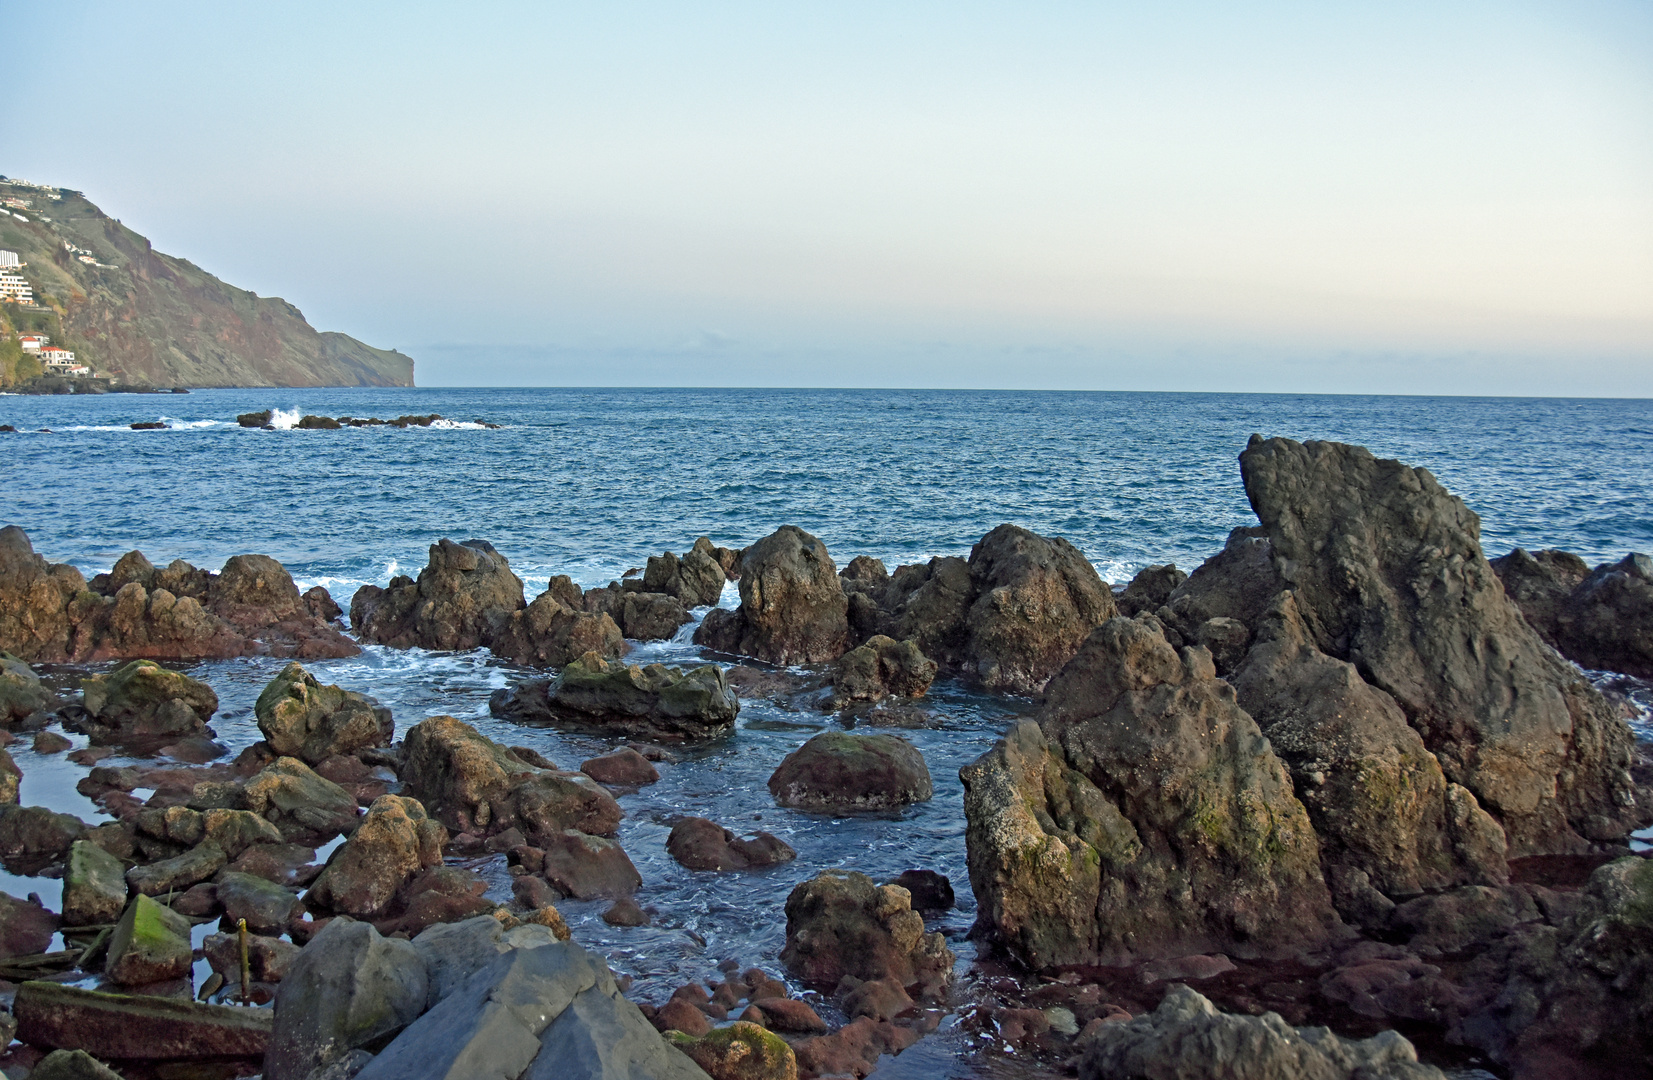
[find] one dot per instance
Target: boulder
(792, 606)
(1376, 796)
(1149, 590)
(927, 603)
(301, 804)
(546, 1013)
(1389, 575)
(349, 988)
(624, 767)
(21, 692)
(1540, 583)
(26, 927)
(1607, 621)
(472, 784)
(33, 837)
(320, 603)
(137, 1027)
(268, 907)
(464, 598)
(1239, 582)
(142, 700)
(72, 1065)
(441, 894)
(35, 597)
(299, 717)
(840, 924)
(551, 633)
(929, 890)
(695, 580)
(740, 1051)
(150, 944)
(178, 873)
(727, 559)
(94, 886)
(455, 951)
(880, 667)
(269, 959)
(845, 770)
(393, 843)
(1036, 599)
(1144, 816)
(700, 844)
(1188, 1036)
(587, 867)
(653, 701)
(641, 616)
(237, 830)
(150, 622)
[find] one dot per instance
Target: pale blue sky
(1399, 197)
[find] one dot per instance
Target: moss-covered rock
(149, 944)
(303, 718)
(656, 701)
(94, 885)
(740, 1051)
(21, 692)
(846, 770)
(142, 699)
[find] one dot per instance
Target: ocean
(591, 482)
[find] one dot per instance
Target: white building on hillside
(9, 258)
(34, 342)
(57, 358)
(14, 287)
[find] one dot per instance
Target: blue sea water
(591, 482)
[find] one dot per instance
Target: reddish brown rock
(624, 767)
(700, 844)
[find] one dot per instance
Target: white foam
(284, 419)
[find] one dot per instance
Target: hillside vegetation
(145, 318)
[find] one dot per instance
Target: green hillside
(144, 318)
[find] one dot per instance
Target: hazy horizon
(1420, 199)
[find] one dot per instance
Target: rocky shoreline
(1341, 774)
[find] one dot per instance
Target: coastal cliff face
(146, 318)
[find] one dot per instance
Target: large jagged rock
(301, 804)
(1008, 618)
(1387, 817)
(1036, 600)
(464, 598)
(299, 717)
(34, 600)
(654, 701)
(393, 843)
(1540, 583)
(1186, 1036)
(695, 580)
(840, 924)
(349, 988)
(839, 771)
(1149, 818)
(21, 692)
(1149, 590)
(792, 606)
(880, 667)
(472, 784)
(143, 700)
(550, 633)
(544, 1013)
(1607, 622)
(1388, 573)
(641, 616)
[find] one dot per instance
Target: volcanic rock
(149, 944)
(299, 717)
(586, 867)
(178, 873)
(929, 890)
(94, 886)
(26, 926)
(33, 837)
(846, 770)
(464, 598)
(700, 844)
(1149, 590)
(143, 700)
(654, 701)
(393, 842)
(624, 767)
(840, 924)
(1540, 583)
(21, 692)
(1238, 583)
(792, 606)
(740, 1051)
(641, 616)
(267, 906)
(695, 580)
(269, 959)
(1388, 574)
(1150, 818)
(879, 668)
(1607, 622)
(551, 633)
(302, 805)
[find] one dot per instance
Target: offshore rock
(840, 924)
(654, 701)
(550, 633)
(21, 692)
(587, 867)
(641, 616)
(464, 598)
(1148, 819)
(393, 843)
(1187, 1036)
(143, 700)
(349, 988)
(1540, 583)
(1377, 797)
(1607, 622)
(695, 580)
(299, 717)
(700, 844)
(845, 770)
(927, 603)
(879, 668)
(792, 606)
(1388, 574)
(1149, 590)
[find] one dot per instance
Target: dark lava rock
(641, 616)
(1607, 622)
(700, 844)
(840, 924)
(624, 767)
(879, 668)
(792, 606)
(299, 717)
(845, 770)
(464, 598)
(930, 891)
(1149, 590)
(654, 701)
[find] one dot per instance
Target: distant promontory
(141, 318)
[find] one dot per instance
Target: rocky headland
(1338, 795)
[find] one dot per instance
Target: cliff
(142, 317)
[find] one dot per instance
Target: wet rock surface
(792, 605)
(302, 718)
(654, 701)
(845, 770)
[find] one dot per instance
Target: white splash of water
(284, 419)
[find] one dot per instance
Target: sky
(1390, 197)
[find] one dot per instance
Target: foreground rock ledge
(130, 1027)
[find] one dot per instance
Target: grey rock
(178, 873)
(72, 1065)
(94, 886)
(792, 605)
(300, 717)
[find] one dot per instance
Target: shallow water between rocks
(590, 482)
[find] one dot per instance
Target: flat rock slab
(134, 1027)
